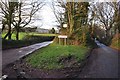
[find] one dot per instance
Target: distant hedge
(28, 40)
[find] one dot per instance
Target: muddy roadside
(21, 69)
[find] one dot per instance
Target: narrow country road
(11, 55)
(103, 63)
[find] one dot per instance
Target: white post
(59, 40)
(65, 41)
(64, 37)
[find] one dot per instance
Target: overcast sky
(48, 19)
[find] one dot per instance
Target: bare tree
(75, 15)
(105, 15)
(7, 9)
(116, 7)
(23, 13)
(58, 8)
(64, 13)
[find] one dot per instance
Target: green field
(23, 34)
(48, 57)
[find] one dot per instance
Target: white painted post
(64, 39)
(59, 40)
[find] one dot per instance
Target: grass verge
(57, 56)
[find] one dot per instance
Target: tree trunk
(3, 27)
(17, 34)
(8, 34)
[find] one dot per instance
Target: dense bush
(106, 41)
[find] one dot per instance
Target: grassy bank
(57, 56)
(116, 42)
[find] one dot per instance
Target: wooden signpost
(64, 37)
